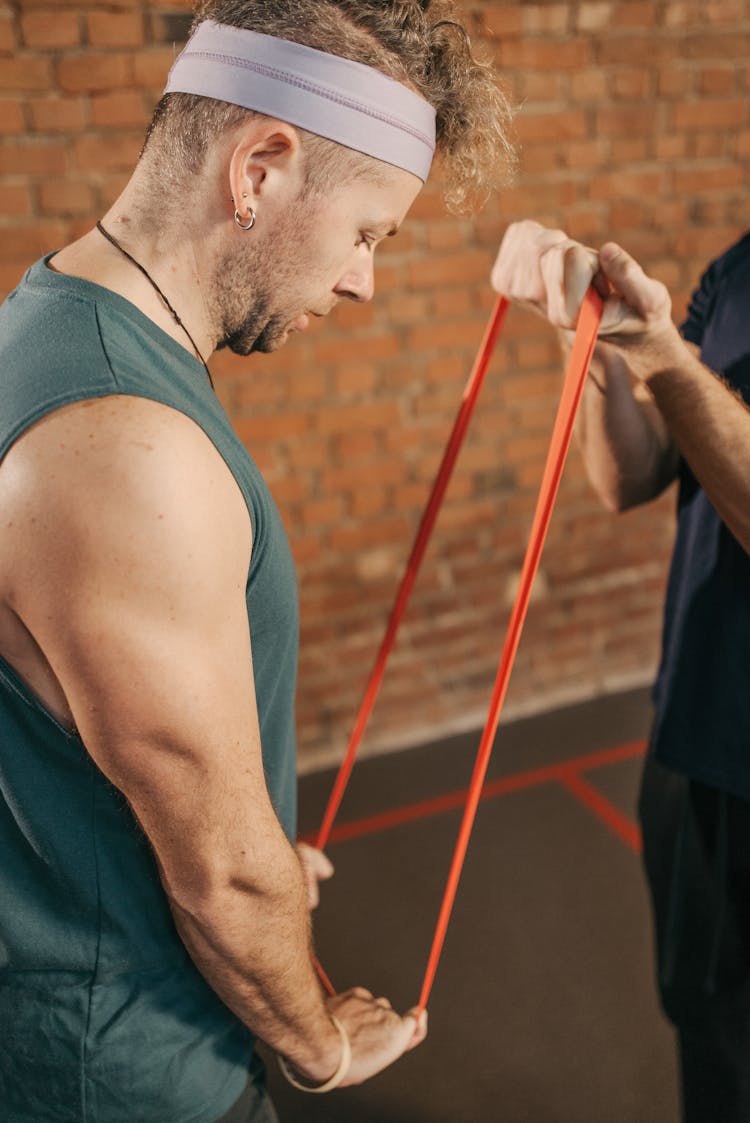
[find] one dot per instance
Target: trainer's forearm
(626, 447)
(251, 942)
(710, 423)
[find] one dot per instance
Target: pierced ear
(269, 151)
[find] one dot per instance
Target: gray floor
(543, 1008)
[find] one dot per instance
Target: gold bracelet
(339, 1074)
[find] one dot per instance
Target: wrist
(659, 352)
(322, 1056)
(323, 1079)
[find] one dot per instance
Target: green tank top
(103, 1016)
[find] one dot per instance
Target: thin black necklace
(111, 238)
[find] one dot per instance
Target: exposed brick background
(634, 124)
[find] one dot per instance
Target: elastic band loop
(339, 1074)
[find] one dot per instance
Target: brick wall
(634, 124)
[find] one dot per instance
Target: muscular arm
(659, 401)
(129, 552)
(708, 422)
(628, 451)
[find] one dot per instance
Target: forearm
(710, 424)
(626, 447)
(251, 942)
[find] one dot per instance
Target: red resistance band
(578, 367)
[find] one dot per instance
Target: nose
(358, 281)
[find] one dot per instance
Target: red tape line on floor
(578, 366)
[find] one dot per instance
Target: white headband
(347, 102)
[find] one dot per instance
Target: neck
(167, 256)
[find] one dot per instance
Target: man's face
(320, 253)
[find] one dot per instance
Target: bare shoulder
(117, 478)
(106, 441)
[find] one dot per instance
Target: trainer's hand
(551, 273)
(377, 1034)
(637, 317)
(315, 867)
(547, 271)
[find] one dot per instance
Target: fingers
(642, 298)
(419, 1018)
(545, 269)
(316, 861)
(517, 273)
(316, 867)
(377, 1034)
(551, 273)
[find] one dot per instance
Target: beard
(269, 276)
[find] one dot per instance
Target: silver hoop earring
(238, 220)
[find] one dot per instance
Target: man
(653, 412)
(153, 912)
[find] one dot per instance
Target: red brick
(89, 72)
(735, 45)
(8, 41)
(24, 73)
(670, 147)
(323, 512)
(356, 378)
(626, 151)
(49, 27)
(536, 158)
(66, 197)
(718, 80)
(568, 54)
(586, 154)
(536, 85)
(627, 120)
(499, 22)
(701, 180)
(675, 82)
(715, 113)
(15, 198)
(616, 185)
(12, 119)
(107, 153)
(27, 157)
(152, 67)
(119, 109)
(588, 85)
(633, 49)
(632, 84)
(452, 270)
(635, 13)
(551, 126)
(115, 29)
(595, 15)
(357, 418)
(274, 427)
(724, 11)
(31, 239)
(549, 18)
(679, 13)
(704, 146)
(58, 114)
(352, 315)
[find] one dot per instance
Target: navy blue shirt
(702, 695)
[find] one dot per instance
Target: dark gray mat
(543, 1008)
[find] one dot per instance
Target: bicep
(135, 593)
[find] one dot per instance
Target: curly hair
(421, 43)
